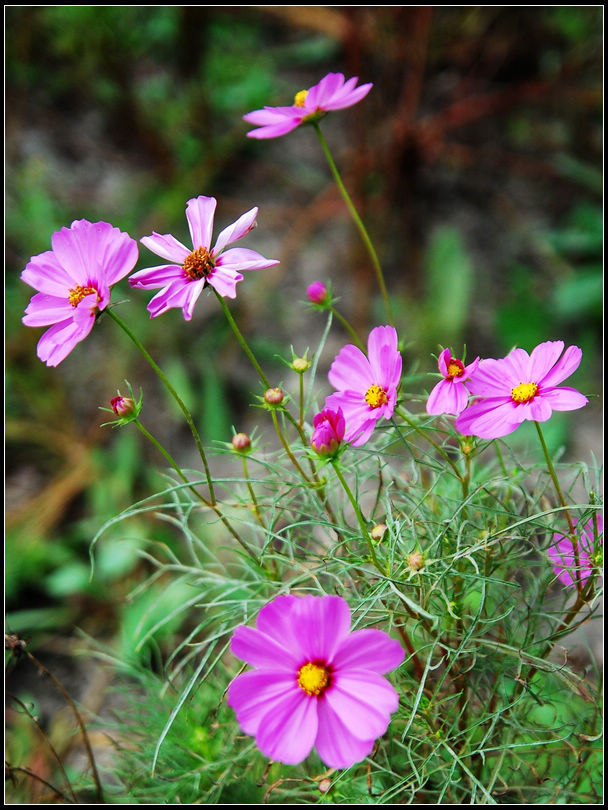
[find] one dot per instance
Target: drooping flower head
(450, 395)
(314, 683)
(333, 92)
(74, 281)
(189, 270)
(521, 386)
(367, 386)
(563, 558)
(329, 427)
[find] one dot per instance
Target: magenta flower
(317, 293)
(329, 428)
(367, 388)
(563, 558)
(314, 684)
(450, 395)
(521, 386)
(74, 281)
(183, 279)
(331, 93)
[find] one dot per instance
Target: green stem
(301, 404)
(360, 518)
(173, 393)
(431, 441)
(357, 219)
(286, 447)
(348, 328)
(241, 340)
(562, 500)
(256, 508)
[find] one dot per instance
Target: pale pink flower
(450, 395)
(367, 386)
(329, 428)
(518, 387)
(563, 558)
(314, 683)
(74, 281)
(331, 93)
(189, 270)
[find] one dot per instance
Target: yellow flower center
(199, 264)
(300, 98)
(524, 392)
(76, 295)
(313, 678)
(455, 368)
(375, 396)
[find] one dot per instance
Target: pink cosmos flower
(329, 428)
(331, 93)
(314, 683)
(367, 388)
(74, 281)
(183, 279)
(521, 386)
(562, 554)
(450, 395)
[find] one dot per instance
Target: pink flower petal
(287, 732)
(244, 259)
(58, 341)
(167, 247)
(200, 212)
(351, 370)
(262, 651)
(279, 620)
(382, 353)
(490, 379)
(564, 398)
(335, 744)
(369, 649)
(322, 624)
(365, 699)
(490, 419)
(253, 694)
(447, 397)
(443, 361)
(154, 277)
(44, 273)
(542, 359)
(44, 310)
(239, 229)
(224, 280)
(563, 368)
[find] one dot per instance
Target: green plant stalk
(286, 447)
(301, 408)
(562, 500)
(431, 441)
(348, 328)
(358, 221)
(254, 502)
(213, 506)
(243, 343)
(174, 394)
(336, 465)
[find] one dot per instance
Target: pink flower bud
(329, 429)
(122, 406)
(317, 293)
(273, 396)
(241, 442)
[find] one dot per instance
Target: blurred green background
(476, 163)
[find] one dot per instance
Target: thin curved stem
(349, 329)
(243, 343)
(431, 441)
(360, 518)
(174, 394)
(357, 220)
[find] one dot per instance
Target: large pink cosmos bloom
(450, 395)
(183, 279)
(563, 558)
(74, 281)
(331, 93)
(521, 386)
(314, 683)
(367, 388)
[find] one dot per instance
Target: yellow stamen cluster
(455, 369)
(76, 295)
(198, 264)
(300, 98)
(313, 678)
(375, 396)
(524, 392)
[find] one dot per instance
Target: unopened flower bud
(273, 396)
(329, 429)
(300, 364)
(324, 785)
(317, 292)
(122, 406)
(377, 533)
(415, 560)
(241, 442)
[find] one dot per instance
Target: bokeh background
(475, 162)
